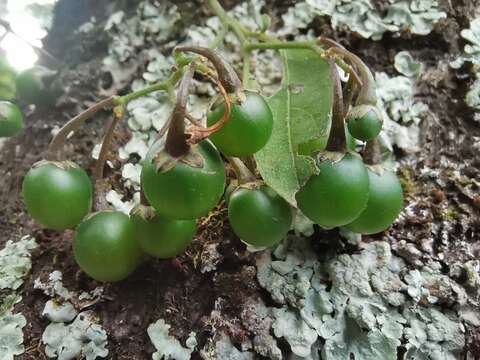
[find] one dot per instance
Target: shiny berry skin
(259, 217)
(11, 119)
(105, 247)
(248, 129)
(384, 204)
(364, 122)
(57, 195)
(338, 194)
(163, 238)
(185, 192)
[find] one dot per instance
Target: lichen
(361, 17)
(11, 325)
(168, 347)
(472, 55)
(82, 338)
(369, 306)
(15, 262)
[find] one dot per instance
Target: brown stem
(59, 140)
(143, 198)
(198, 133)
(372, 154)
(176, 144)
(227, 75)
(107, 140)
(336, 140)
(332, 43)
(349, 93)
(367, 93)
(244, 175)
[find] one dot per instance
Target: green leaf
(301, 113)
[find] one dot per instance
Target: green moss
(406, 179)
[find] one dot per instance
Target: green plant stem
(278, 45)
(166, 85)
(228, 21)
(243, 174)
(246, 68)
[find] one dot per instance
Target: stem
(198, 134)
(219, 38)
(176, 144)
(107, 140)
(226, 74)
(349, 93)
(228, 21)
(59, 140)
(243, 174)
(166, 85)
(372, 154)
(277, 45)
(367, 93)
(246, 68)
(336, 140)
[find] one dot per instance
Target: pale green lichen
(82, 338)
(168, 347)
(406, 65)
(472, 55)
(15, 262)
(364, 312)
(402, 113)
(11, 334)
(360, 16)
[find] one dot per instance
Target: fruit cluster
(183, 178)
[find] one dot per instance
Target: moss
(406, 179)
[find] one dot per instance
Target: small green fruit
(364, 122)
(11, 119)
(248, 129)
(260, 217)
(105, 247)
(185, 192)
(384, 204)
(57, 195)
(338, 194)
(160, 237)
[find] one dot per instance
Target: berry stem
(118, 114)
(367, 94)
(336, 140)
(60, 138)
(226, 74)
(161, 86)
(243, 174)
(372, 154)
(198, 133)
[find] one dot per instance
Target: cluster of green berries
(109, 245)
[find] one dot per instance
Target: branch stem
(243, 174)
(118, 114)
(59, 139)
